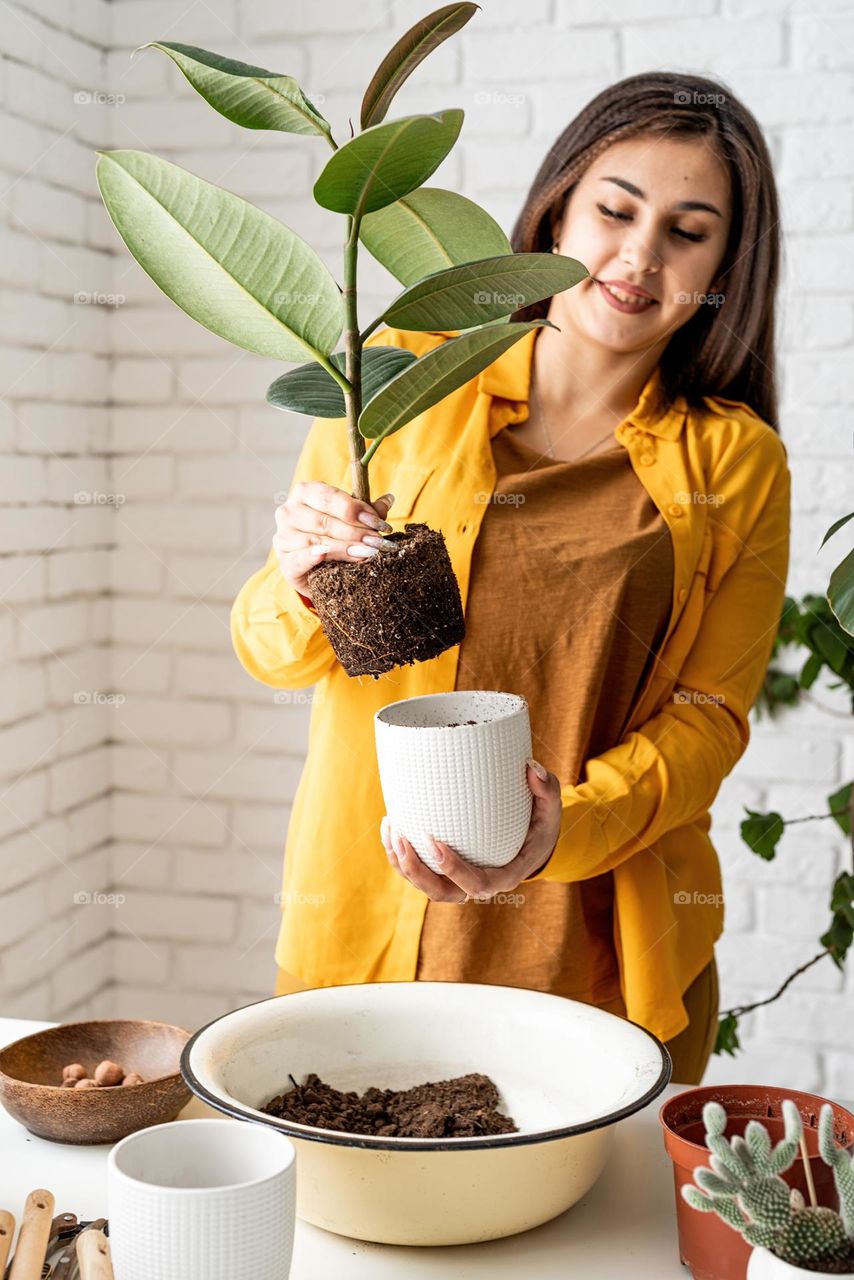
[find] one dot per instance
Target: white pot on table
(764, 1265)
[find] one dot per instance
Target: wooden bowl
(31, 1079)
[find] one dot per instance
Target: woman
(615, 501)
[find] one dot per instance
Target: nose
(638, 255)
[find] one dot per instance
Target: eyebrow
(683, 204)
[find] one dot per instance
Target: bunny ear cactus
(744, 1188)
(842, 1164)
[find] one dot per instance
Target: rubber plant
(743, 1187)
(250, 279)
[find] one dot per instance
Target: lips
(623, 287)
(627, 299)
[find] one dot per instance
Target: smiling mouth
(625, 301)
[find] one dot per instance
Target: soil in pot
(399, 607)
(463, 1107)
(839, 1266)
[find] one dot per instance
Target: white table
(625, 1225)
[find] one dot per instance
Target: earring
(554, 247)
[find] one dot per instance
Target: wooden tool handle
(33, 1237)
(7, 1231)
(93, 1254)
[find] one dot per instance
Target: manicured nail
(539, 770)
(374, 521)
(382, 544)
(438, 854)
(387, 497)
(319, 549)
(358, 549)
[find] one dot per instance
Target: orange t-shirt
(570, 593)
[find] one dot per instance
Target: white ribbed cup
(465, 785)
(202, 1200)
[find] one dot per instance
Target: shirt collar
(509, 378)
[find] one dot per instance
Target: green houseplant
(743, 1186)
(251, 280)
(812, 630)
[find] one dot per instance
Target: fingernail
(373, 521)
(539, 770)
(359, 550)
(387, 497)
(380, 543)
(319, 549)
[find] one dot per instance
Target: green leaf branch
(254, 282)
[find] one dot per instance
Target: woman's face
(654, 213)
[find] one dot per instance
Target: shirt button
(683, 595)
(675, 510)
(647, 459)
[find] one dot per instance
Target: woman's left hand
(460, 880)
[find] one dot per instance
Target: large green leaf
(836, 526)
(840, 593)
(477, 292)
(232, 267)
(385, 162)
(247, 95)
(411, 49)
(437, 374)
(428, 230)
(310, 389)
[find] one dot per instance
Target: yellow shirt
(720, 478)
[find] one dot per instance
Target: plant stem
(366, 333)
(815, 817)
(808, 1171)
(334, 373)
(748, 1008)
(353, 365)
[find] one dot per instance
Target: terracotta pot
(710, 1248)
(765, 1266)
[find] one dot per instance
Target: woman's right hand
(319, 522)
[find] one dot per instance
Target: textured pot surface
(464, 783)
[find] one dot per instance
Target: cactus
(744, 1188)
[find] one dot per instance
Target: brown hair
(727, 350)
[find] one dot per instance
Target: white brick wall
(55, 955)
(177, 797)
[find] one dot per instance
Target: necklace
(549, 446)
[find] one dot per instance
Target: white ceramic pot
(764, 1265)
(467, 784)
(566, 1072)
(202, 1200)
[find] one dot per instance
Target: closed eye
(693, 236)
